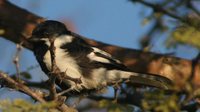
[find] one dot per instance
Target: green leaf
(25, 75)
(187, 35)
(2, 31)
(114, 107)
(20, 105)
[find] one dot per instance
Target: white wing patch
(101, 51)
(64, 39)
(94, 57)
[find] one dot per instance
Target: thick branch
(18, 28)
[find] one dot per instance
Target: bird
(79, 60)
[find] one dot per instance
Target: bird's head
(46, 30)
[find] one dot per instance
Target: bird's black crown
(49, 28)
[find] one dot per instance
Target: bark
(17, 25)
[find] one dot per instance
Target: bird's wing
(105, 59)
(86, 54)
(89, 58)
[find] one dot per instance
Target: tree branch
(18, 28)
(160, 9)
(192, 7)
(54, 72)
(9, 82)
(157, 8)
(17, 85)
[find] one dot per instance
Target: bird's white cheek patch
(63, 40)
(92, 56)
(47, 60)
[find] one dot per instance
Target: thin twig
(53, 93)
(17, 85)
(55, 73)
(157, 8)
(9, 82)
(192, 7)
(65, 76)
(65, 91)
(16, 60)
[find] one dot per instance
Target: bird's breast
(64, 62)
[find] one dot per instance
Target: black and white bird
(77, 59)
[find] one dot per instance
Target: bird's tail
(146, 79)
(151, 80)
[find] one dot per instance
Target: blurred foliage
(114, 107)
(167, 15)
(2, 31)
(19, 105)
(187, 35)
(159, 102)
(179, 20)
(174, 101)
(25, 75)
